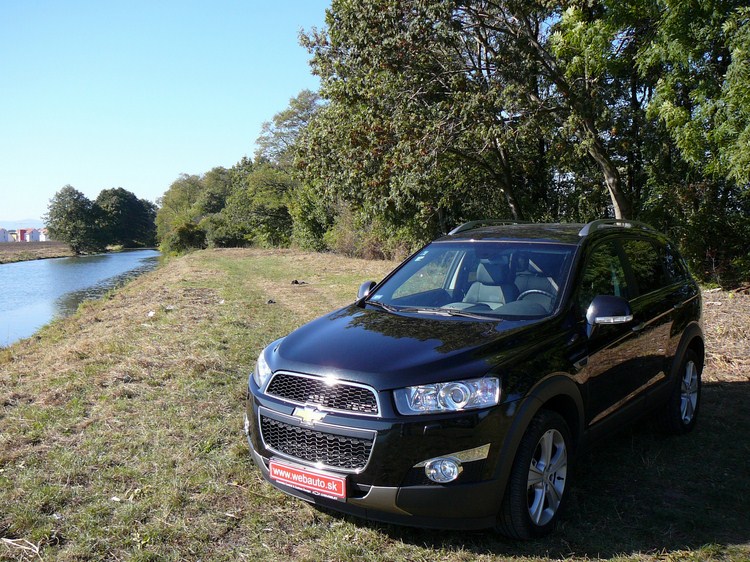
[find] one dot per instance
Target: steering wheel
(535, 292)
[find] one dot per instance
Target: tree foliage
(250, 203)
(116, 217)
(279, 136)
(702, 52)
(126, 220)
(432, 112)
(438, 111)
(417, 89)
(74, 219)
(260, 207)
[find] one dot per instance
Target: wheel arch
(557, 393)
(692, 338)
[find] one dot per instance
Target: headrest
(492, 274)
(520, 262)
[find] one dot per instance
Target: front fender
(556, 392)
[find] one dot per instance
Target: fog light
(442, 470)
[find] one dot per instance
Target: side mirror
(364, 289)
(609, 310)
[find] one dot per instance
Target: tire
(537, 487)
(681, 412)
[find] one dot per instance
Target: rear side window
(674, 267)
(646, 265)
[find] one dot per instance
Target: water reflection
(35, 292)
(68, 303)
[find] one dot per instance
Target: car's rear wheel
(681, 412)
(538, 482)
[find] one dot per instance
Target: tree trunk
(620, 202)
(505, 178)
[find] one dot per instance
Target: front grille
(336, 451)
(341, 396)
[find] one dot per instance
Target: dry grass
(25, 251)
(727, 329)
(121, 439)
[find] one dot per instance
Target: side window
(646, 265)
(673, 265)
(603, 274)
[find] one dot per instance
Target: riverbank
(11, 252)
(121, 437)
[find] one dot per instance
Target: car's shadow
(642, 491)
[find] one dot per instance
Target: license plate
(307, 480)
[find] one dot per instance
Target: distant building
(4, 236)
(12, 236)
(43, 235)
(28, 235)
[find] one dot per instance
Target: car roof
(562, 233)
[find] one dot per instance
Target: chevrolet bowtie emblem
(308, 415)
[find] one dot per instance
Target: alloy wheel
(689, 392)
(547, 476)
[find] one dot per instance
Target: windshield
(486, 279)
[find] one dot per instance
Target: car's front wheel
(538, 481)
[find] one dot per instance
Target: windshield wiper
(459, 312)
(384, 306)
(435, 311)
(446, 312)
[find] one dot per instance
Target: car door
(653, 307)
(612, 373)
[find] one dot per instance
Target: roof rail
(484, 222)
(610, 223)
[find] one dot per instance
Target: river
(33, 293)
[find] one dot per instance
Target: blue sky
(100, 94)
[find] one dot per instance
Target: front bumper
(389, 488)
(457, 507)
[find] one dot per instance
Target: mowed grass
(121, 439)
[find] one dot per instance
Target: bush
(187, 236)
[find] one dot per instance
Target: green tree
(126, 220)
(702, 52)
(278, 137)
(177, 211)
(259, 210)
(411, 100)
(73, 218)
(217, 185)
(419, 90)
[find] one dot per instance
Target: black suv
(455, 392)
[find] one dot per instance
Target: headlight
(451, 396)
(262, 371)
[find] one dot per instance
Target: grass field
(24, 251)
(121, 437)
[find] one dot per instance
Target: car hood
(387, 350)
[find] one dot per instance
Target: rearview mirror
(364, 289)
(609, 310)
